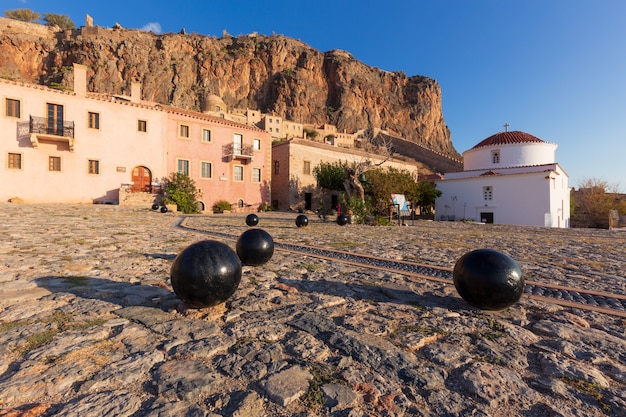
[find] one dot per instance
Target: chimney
(80, 80)
(135, 92)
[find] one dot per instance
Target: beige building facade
(293, 184)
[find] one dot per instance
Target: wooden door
(142, 180)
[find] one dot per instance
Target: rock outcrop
(274, 74)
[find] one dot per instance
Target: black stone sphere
(155, 207)
(302, 221)
(205, 273)
(252, 219)
(342, 219)
(255, 247)
(488, 279)
(163, 209)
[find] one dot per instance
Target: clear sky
(553, 68)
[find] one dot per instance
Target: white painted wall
(519, 198)
(511, 155)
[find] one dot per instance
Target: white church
(508, 178)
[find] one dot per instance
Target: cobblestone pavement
(89, 325)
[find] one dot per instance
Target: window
(206, 135)
(14, 161)
(205, 170)
(54, 163)
(256, 144)
(276, 167)
(306, 168)
(12, 108)
(142, 126)
(55, 119)
(94, 120)
(488, 193)
(256, 174)
(183, 166)
(183, 131)
(94, 166)
(495, 157)
(238, 173)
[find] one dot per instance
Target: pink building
(63, 146)
(227, 160)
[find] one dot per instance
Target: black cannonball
(252, 219)
(488, 279)
(302, 221)
(155, 206)
(255, 247)
(163, 209)
(343, 219)
(205, 273)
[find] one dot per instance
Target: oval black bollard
(255, 247)
(163, 209)
(342, 219)
(155, 207)
(302, 221)
(205, 273)
(252, 219)
(488, 279)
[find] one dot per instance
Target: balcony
(42, 128)
(236, 151)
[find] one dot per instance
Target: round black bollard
(302, 221)
(163, 209)
(255, 247)
(155, 206)
(205, 273)
(342, 219)
(488, 279)
(252, 219)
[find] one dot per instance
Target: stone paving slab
(90, 326)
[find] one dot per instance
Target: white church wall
(515, 199)
(509, 155)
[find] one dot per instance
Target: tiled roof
(506, 138)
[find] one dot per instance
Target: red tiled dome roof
(506, 138)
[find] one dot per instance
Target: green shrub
(182, 191)
(221, 206)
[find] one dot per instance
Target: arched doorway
(142, 180)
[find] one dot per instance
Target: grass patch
(313, 399)
(496, 331)
(590, 389)
(311, 266)
(5, 326)
(76, 281)
(37, 340)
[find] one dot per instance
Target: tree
(592, 202)
(330, 175)
(182, 190)
(24, 15)
(60, 20)
(355, 170)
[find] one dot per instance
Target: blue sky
(553, 68)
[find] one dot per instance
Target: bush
(221, 206)
(182, 191)
(265, 207)
(24, 15)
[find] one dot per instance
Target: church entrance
(486, 217)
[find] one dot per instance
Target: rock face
(274, 74)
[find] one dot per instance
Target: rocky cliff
(274, 74)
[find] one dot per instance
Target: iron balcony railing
(46, 126)
(234, 150)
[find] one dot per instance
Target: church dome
(507, 138)
(507, 150)
(214, 103)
